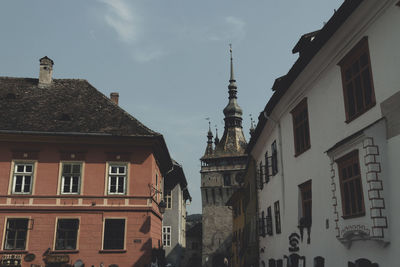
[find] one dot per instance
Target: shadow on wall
(175, 255)
(224, 250)
(145, 228)
(145, 259)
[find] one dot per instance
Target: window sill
(348, 120)
(13, 251)
(299, 153)
(66, 251)
(345, 217)
(105, 251)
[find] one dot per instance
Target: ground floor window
(114, 234)
(16, 232)
(67, 233)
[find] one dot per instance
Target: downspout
(281, 158)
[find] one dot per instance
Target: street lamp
(161, 206)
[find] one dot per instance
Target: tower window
(227, 179)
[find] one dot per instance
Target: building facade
(222, 168)
(176, 196)
(81, 179)
(327, 142)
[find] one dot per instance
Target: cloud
(142, 55)
(122, 19)
(232, 28)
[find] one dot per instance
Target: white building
(331, 136)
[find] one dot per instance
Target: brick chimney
(46, 72)
(114, 97)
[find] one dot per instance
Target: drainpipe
(277, 123)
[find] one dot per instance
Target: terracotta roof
(66, 106)
(283, 84)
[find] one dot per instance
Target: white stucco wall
(322, 85)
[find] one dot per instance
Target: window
(358, 87)
(350, 185)
(114, 233)
(195, 245)
(67, 233)
(168, 199)
(23, 176)
(71, 178)
(274, 158)
(306, 204)
(16, 232)
(262, 224)
(227, 179)
(166, 236)
(117, 179)
(301, 129)
(266, 167)
(269, 221)
(277, 217)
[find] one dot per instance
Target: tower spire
(232, 78)
(233, 112)
(216, 139)
(209, 148)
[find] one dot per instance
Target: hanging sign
(56, 259)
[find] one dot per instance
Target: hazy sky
(168, 59)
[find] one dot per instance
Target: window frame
(5, 238)
(168, 199)
(304, 188)
(344, 162)
(57, 234)
(277, 213)
(301, 107)
(14, 175)
(125, 180)
(347, 62)
(269, 223)
(62, 178)
(104, 234)
(274, 158)
(167, 236)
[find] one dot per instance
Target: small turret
(252, 129)
(216, 139)
(209, 149)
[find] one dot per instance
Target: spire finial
(230, 51)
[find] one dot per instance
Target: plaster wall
(321, 84)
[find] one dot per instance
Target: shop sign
(11, 260)
(29, 257)
(56, 259)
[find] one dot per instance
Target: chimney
(46, 72)
(114, 97)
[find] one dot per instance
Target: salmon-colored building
(80, 179)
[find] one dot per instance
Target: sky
(167, 59)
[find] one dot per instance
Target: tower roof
(233, 142)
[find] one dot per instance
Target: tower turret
(209, 149)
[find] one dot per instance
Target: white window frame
(167, 236)
(117, 175)
(168, 199)
(23, 174)
(63, 178)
